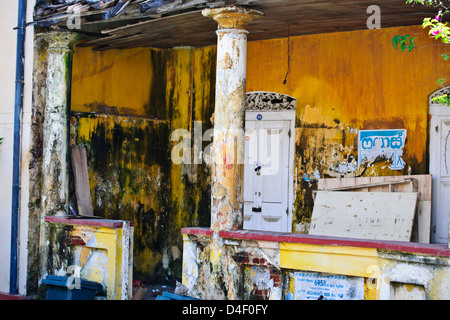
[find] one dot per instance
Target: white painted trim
(439, 110)
(271, 115)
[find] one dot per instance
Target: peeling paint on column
(55, 136)
(55, 183)
(228, 149)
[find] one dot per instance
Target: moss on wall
(132, 176)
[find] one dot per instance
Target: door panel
(440, 171)
(267, 144)
(443, 207)
(445, 149)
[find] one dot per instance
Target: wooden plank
(423, 183)
(81, 175)
(421, 231)
(423, 215)
(364, 215)
(181, 23)
(366, 186)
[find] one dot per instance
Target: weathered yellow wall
(343, 82)
(139, 97)
(354, 78)
(384, 270)
(94, 253)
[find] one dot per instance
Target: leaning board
(364, 215)
(422, 223)
(80, 171)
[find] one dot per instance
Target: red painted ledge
(411, 247)
(9, 296)
(198, 231)
(114, 224)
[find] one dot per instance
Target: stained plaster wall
(343, 82)
(35, 166)
(265, 270)
(95, 250)
(125, 106)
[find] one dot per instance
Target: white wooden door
(440, 171)
(267, 173)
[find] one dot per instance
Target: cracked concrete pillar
(228, 147)
(228, 151)
(55, 157)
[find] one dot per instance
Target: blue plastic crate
(57, 289)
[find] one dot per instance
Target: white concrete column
(55, 184)
(55, 145)
(228, 148)
(228, 151)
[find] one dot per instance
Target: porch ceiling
(185, 26)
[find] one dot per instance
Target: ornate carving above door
(269, 101)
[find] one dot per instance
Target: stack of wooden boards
(395, 208)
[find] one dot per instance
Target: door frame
(437, 113)
(259, 102)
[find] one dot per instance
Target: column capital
(61, 40)
(232, 17)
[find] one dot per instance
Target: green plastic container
(57, 289)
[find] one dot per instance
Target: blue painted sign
(388, 144)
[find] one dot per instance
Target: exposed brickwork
(263, 294)
(247, 259)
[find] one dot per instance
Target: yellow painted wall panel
(337, 260)
(102, 78)
(356, 78)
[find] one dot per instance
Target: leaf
(411, 44)
(403, 42)
(444, 100)
(445, 56)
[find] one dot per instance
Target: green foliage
(1, 140)
(405, 42)
(423, 2)
(437, 29)
(444, 100)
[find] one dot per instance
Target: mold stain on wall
(132, 176)
(345, 82)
